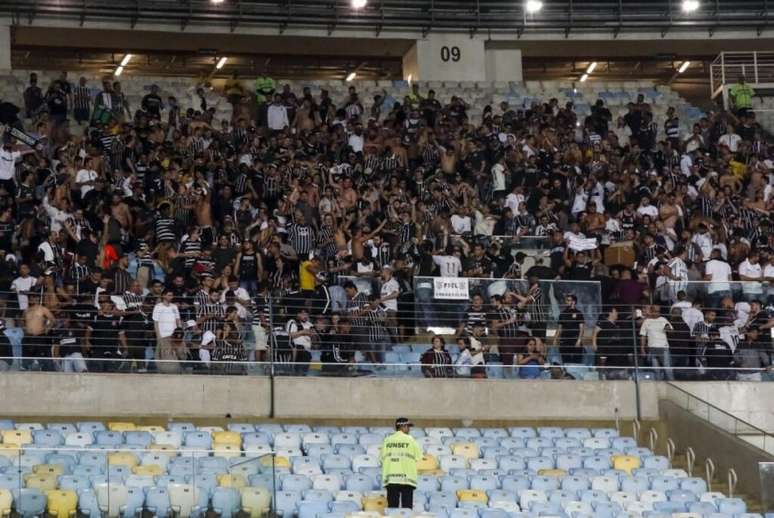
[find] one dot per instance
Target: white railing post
(690, 459)
(709, 472)
(653, 439)
(755, 66)
(733, 480)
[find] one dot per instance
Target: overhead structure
(422, 16)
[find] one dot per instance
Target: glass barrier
(127, 470)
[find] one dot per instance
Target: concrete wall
(749, 401)
(725, 450)
(5, 47)
(103, 395)
(504, 65)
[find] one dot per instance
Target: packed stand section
(198, 228)
(120, 469)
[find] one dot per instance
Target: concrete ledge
(146, 395)
(213, 397)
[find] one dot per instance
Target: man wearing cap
(400, 454)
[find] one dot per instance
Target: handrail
(727, 414)
(690, 459)
(709, 472)
(653, 439)
(617, 420)
(733, 480)
(636, 426)
(670, 449)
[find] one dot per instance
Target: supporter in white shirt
(461, 222)
(86, 177)
(356, 140)
(8, 159)
(731, 140)
(22, 284)
(498, 176)
(768, 274)
(686, 162)
(277, 115)
(751, 273)
(678, 272)
(693, 315)
(390, 290)
(513, 200)
(166, 316)
(646, 208)
(448, 265)
(704, 241)
(654, 343)
(718, 272)
(300, 331)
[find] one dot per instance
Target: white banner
(456, 288)
(579, 244)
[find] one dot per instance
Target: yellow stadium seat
(427, 464)
(558, 473)
(122, 458)
(376, 503)
(279, 461)
(231, 480)
(53, 469)
(44, 482)
(471, 495)
(121, 426)
(153, 470)
(62, 504)
(226, 450)
(151, 429)
(19, 437)
(626, 463)
(468, 450)
(9, 450)
(256, 501)
(227, 438)
(165, 449)
(6, 502)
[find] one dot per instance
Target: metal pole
(273, 485)
(636, 366)
(272, 350)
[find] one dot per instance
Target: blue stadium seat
(157, 501)
(312, 509)
(731, 505)
(287, 502)
(226, 501)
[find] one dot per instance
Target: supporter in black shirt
(106, 338)
(152, 103)
(612, 351)
(569, 335)
(338, 347)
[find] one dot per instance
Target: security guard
(400, 454)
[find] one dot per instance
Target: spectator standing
(166, 318)
(611, 350)
(741, 94)
(570, 331)
(654, 343)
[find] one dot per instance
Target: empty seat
(626, 463)
(256, 501)
(226, 501)
(472, 495)
(30, 502)
(158, 502)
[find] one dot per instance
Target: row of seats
(117, 500)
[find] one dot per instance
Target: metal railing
(756, 67)
(720, 418)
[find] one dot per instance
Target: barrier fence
(485, 328)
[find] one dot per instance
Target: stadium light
(359, 4)
(409, 78)
(221, 62)
(683, 67)
(351, 76)
(216, 1)
(533, 6)
(591, 68)
(583, 78)
(690, 6)
(126, 60)
(118, 71)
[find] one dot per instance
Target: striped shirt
(211, 314)
(191, 246)
(301, 238)
(165, 229)
(81, 97)
(133, 300)
(535, 307)
(504, 314)
(355, 306)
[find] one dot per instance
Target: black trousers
(400, 495)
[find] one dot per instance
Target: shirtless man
(38, 323)
(203, 214)
(120, 211)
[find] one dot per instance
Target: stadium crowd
(134, 233)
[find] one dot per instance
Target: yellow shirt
(305, 277)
